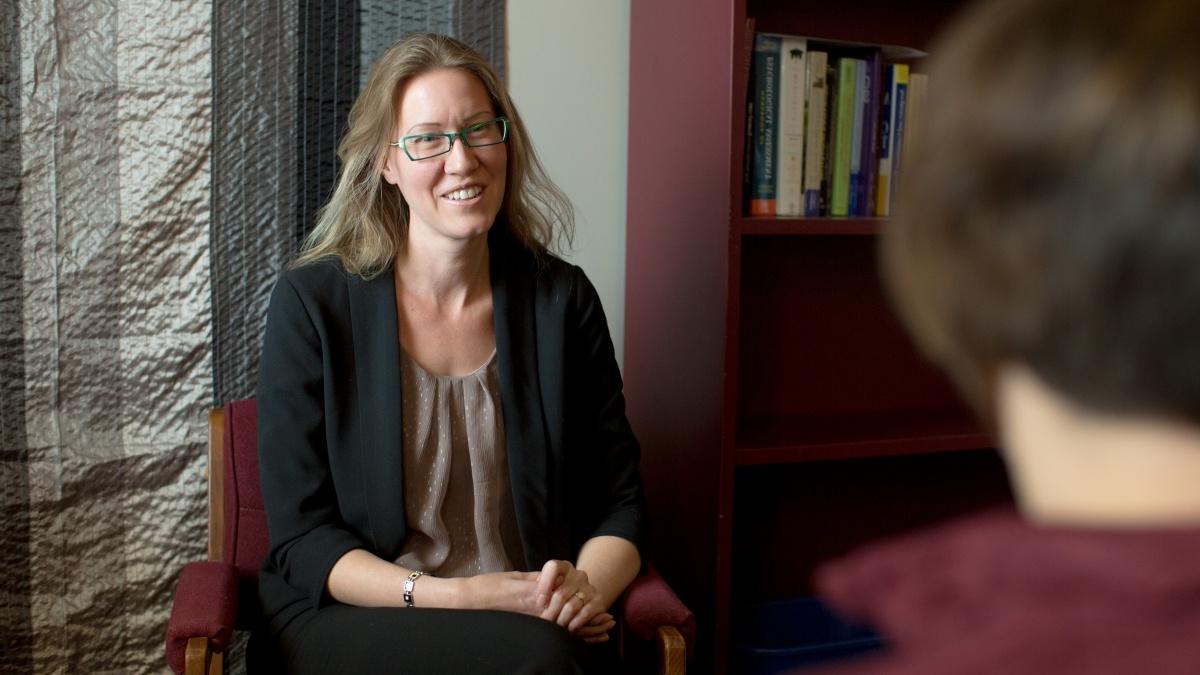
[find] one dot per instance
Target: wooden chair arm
(197, 656)
(673, 650)
(200, 659)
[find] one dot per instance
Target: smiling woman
(452, 190)
(364, 225)
(450, 481)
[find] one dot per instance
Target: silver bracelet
(408, 587)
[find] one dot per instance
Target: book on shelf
(901, 134)
(870, 131)
(815, 127)
(831, 94)
(858, 133)
(918, 87)
(895, 79)
(856, 136)
(815, 140)
(766, 110)
(789, 184)
(845, 88)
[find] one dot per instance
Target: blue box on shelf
(773, 637)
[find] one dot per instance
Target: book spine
(915, 97)
(861, 79)
(831, 87)
(789, 126)
(843, 137)
(766, 109)
(895, 74)
(870, 147)
(885, 143)
(816, 103)
(898, 136)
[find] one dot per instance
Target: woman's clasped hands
(560, 593)
(571, 601)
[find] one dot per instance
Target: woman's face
(457, 195)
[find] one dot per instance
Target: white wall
(568, 72)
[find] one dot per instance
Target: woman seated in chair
(1048, 255)
(450, 481)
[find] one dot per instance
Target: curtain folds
(160, 161)
(107, 353)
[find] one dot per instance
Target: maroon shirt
(994, 594)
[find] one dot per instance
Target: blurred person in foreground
(1047, 255)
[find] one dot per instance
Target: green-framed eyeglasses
(433, 143)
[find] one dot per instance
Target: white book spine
(816, 103)
(789, 188)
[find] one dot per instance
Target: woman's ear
(390, 173)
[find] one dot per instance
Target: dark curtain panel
(16, 626)
(327, 85)
(479, 23)
(284, 77)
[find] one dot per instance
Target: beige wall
(568, 69)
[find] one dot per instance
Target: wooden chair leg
(217, 665)
(673, 650)
(196, 657)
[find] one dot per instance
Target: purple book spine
(870, 145)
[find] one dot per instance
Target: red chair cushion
(650, 603)
(206, 605)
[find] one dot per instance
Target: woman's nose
(461, 158)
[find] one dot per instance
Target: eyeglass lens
(476, 135)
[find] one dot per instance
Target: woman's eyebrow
(430, 126)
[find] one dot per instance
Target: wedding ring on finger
(581, 596)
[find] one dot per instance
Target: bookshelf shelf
(809, 438)
(742, 333)
(750, 225)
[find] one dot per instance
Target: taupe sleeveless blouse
(457, 496)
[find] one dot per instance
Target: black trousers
(364, 641)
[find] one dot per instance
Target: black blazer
(329, 427)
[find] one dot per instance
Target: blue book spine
(898, 135)
(766, 115)
(861, 99)
(895, 79)
(882, 191)
(885, 129)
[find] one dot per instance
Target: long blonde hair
(365, 222)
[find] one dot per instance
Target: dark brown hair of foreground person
(1050, 213)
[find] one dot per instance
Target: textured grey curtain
(159, 161)
(107, 367)
(16, 627)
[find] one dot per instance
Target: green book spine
(843, 138)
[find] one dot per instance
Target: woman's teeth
(466, 193)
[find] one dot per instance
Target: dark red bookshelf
(785, 416)
(826, 227)
(809, 438)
